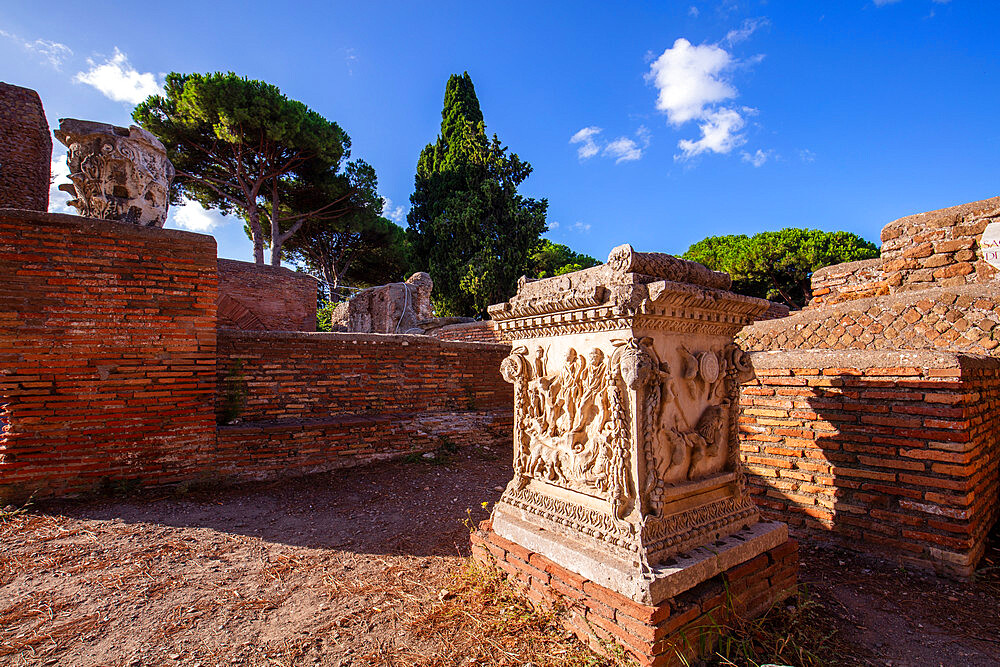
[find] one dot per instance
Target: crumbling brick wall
(848, 281)
(891, 452)
(107, 353)
(293, 403)
(25, 150)
(259, 296)
(938, 247)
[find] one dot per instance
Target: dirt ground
(345, 568)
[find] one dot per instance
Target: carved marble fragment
(626, 383)
(117, 173)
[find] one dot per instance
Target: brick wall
(938, 247)
(676, 632)
(315, 401)
(848, 281)
(961, 319)
(107, 352)
(254, 297)
(892, 452)
(475, 332)
(25, 150)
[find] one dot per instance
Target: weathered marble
(626, 385)
(391, 308)
(117, 173)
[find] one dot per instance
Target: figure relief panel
(575, 409)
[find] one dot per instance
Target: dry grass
(481, 620)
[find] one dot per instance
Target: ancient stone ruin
(25, 150)
(626, 456)
(392, 308)
(117, 173)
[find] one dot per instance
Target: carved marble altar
(117, 173)
(626, 458)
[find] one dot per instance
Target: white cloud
(395, 213)
(807, 155)
(693, 12)
(59, 175)
(883, 3)
(52, 52)
(749, 27)
(553, 225)
(719, 134)
(623, 149)
(585, 137)
(580, 226)
(119, 81)
(689, 78)
(193, 217)
(758, 158)
(693, 83)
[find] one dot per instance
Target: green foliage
(358, 247)
(556, 259)
(235, 393)
(241, 146)
(779, 265)
(469, 227)
(323, 315)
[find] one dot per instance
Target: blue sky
(653, 123)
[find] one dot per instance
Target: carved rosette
(626, 384)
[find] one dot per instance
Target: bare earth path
(341, 568)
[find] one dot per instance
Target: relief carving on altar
(574, 415)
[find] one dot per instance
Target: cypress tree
(469, 227)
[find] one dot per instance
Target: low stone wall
(848, 281)
(473, 332)
(25, 150)
(962, 319)
(257, 297)
(938, 247)
(674, 633)
(292, 403)
(891, 452)
(107, 353)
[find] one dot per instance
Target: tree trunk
(253, 220)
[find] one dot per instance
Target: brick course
(848, 281)
(25, 150)
(891, 452)
(676, 632)
(305, 402)
(107, 353)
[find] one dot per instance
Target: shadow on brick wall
(900, 461)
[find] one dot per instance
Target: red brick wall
(675, 632)
(473, 332)
(315, 401)
(254, 297)
(107, 352)
(894, 452)
(25, 150)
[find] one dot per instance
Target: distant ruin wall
(473, 332)
(891, 452)
(256, 296)
(25, 150)
(295, 403)
(938, 248)
(848, 281)
(107, 353)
